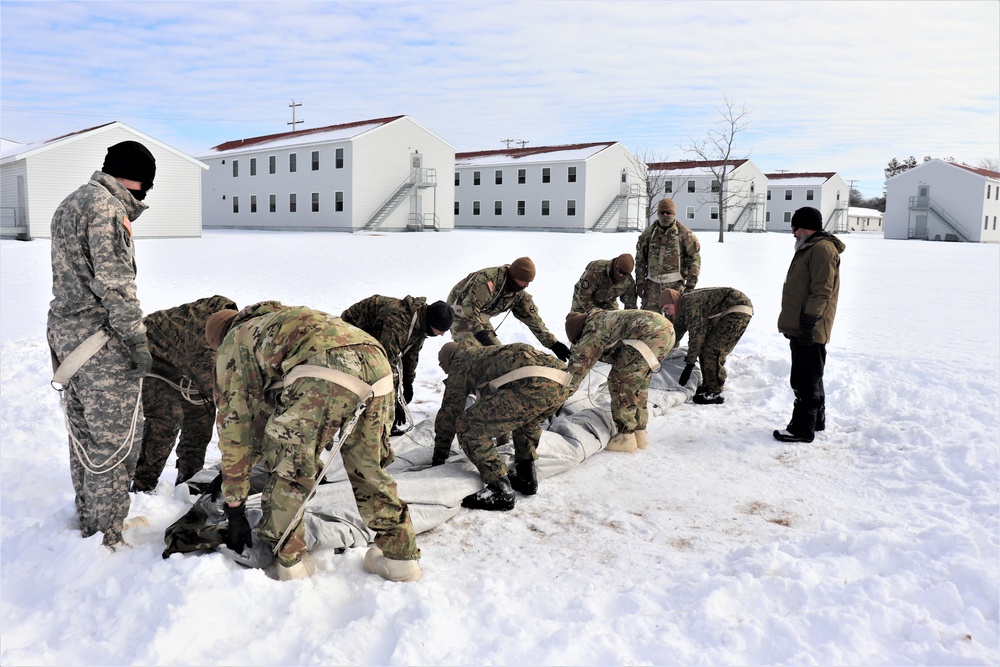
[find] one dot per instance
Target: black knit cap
(440, 316)
(131, 160)
(807, 218)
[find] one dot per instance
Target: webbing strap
(362, 389)
(75, 360)
(554, 374)
(647, 354)
(746, 310)
(674, 277)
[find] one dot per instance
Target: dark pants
(808, 363)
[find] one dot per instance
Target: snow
(879, 543)
(554, 155)
(797, 181)
(286, 140)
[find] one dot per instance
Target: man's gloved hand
(485, 338)
(408, 392)
(807, 324)
(238, 536)
(400, 418)
(685, 375)
(142, 360)
(561, 351)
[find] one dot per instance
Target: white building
(35, 178)
(695, 190)
(943, 201)
(825, 191)
(864, 219)
(571, 188)
(372, 174)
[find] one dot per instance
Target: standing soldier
(667, 256)
(603, 283)
(517, 388)
(808, 307)
(177, 397)
(488, 292)
(308, 375)
(96, 335)
(634, 342)
(715, 319)
(401, 326)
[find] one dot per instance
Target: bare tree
(655, 180)
(718, 149)
(990, 164)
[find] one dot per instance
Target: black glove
(485, 338)
(561, 351)
(807, 323)
(215, 487)
(400, 414)
(408, 392)
(142, 360)
(238, 536)
(685, 375)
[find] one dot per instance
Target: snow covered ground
(879, 543)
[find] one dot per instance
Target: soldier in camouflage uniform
(517, 387)
(488, 292)
(401, 326)
(715, 319)
(603, 283)
(634, 342)
(94, 301)
(309, 372)
(667, 256)
(177, 395)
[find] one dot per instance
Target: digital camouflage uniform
(713, 330)
(266, 341)
(596, 288)
(519, 406)
(93, 285)
(666, 257)
(177, 395)
(399, 325)
(602, 339)
(483, 294)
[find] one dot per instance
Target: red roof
(243, 143)
(977, 170)
(89, 129)
(524, 152)
(693, 164)
(801, 174)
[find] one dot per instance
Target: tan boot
(303, 569)
(640, 439)
(623, 442)
(391, 569)
(136, 522)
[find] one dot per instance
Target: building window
(545, 207)
(987, 190)
(253, 203)
(769, 194)
(456, 208)
(715, 185)
(475, 178)
(668, 187)
(570, 207)
(291, 203)
(315, 202)
(475, 208)
(236, 168)
(458, 178)
(498, 178)
(338, 201)
(315, 160)
(271, 161)
(291, 163)
(690, 186)
(986, 223)
(994, 223)
(571, 174)
(522, 176)
(236, 204)
(253, 166)
(690, 212)
(767, 217)
(520, 207)
(338, 159)
(809, 195)
(497, 207)
(624, 176)
(788, 216)
(788, 195)
(546, 174)
(715, 213)
(272, 203)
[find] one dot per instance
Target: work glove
(807, 324)
(408, 392)
(685, 375)
(640, 288)
(238, 536)
(400, 414)
(561, 351)
(485, 338)
(142, 360)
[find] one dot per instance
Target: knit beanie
(522, 268)
(625, 263)
(668, 204)
(668, 296)
(807, 218)
(574, 325)
(131, 160)
(217, 326)
(444, 356)
(439, 316)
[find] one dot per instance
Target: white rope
(187, 391)
(80, 451)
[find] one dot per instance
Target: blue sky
(830, 86)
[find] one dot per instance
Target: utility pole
(294, 122)
(507, 141)
(522, 143)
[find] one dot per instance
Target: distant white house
(864, 219)
(573, 188)
(695, 191)
(825, 191)
(943, 201)
(366, 175)
(35, 178)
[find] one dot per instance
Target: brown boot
(623, 442)
(640, 439)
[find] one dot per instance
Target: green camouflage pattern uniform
(519, 406)
(712, 331)
(666, 258)
(483, 294)
(93, 285)
(177, 395)
(399, 325)
(628, 382)
(265, 342)
(596, 288)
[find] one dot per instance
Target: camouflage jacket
(482, 294)
(812, 286)
(701, 310)
(177, 342)
(265, 342)
(603, 333)
(596, 288)
(93, 261)
(398, 324)
(664, 250)
(471, 367)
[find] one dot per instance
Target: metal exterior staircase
(837, 222)
(748, 219)
(628, 191)
(418, 179)
(926, 204)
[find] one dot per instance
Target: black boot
(524, 480)
(496, 497)
(821, 417)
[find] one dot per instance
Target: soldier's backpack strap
(673, 277)
(358, 386)
(409, 334)
(75, 360)
(643, 349)
(559, 377)
(746, 310)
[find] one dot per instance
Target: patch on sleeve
(489, 284)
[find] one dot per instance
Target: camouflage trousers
(101, 408)
(519, 406)
(461, 331)
(651, 296)
(628, 384)
(167, 414)
(309, 414)
(719, 342)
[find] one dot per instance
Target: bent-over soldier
(604, 282)
(667, 256)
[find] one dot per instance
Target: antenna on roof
(294, 122)
(508, 142)
(522, 142)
